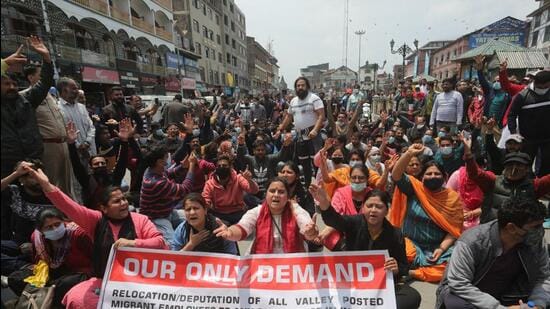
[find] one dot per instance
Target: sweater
(229, 198)
(159, 192)
(147, 235)
(448, 107)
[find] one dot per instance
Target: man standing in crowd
(57, 164)
(307, 113)
(174, 111)
(500, 263)
(118, 110)
(448, 108)
(267, 103)
(20, 134)
(76, 112)
(531, 108)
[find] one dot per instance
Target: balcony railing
(97, 59)
(143, 25)
(96, 5)
(165, 3)
(120, 15)
(164, 34)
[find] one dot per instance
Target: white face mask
(540, 91)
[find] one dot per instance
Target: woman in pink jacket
(112, 225)
(225, 189)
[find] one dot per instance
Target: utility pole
(360, 34)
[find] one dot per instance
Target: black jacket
(533, 111)
(357, 235)
(117, 112)
(20, 136)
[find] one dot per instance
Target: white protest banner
(156, 279)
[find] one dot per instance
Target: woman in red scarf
(280, 226)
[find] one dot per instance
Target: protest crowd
(451, 177)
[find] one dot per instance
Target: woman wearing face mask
(223, 192)
(112, 225)
(196, 233)
(64, 247)
(374, 160)
(429, 215)
(297, 193)
(279, 225)
(339, 177)
(368, 229)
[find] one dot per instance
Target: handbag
(36, 298)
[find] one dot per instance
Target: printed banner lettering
(144, 278)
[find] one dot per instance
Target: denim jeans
(167, 225)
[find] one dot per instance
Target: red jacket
(228, 199)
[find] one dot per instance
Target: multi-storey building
(101, 43)
(259, 61)
(234, 40)
(539, 30)
(313, 74)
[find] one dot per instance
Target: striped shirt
(159, 192)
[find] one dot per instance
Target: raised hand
(247, 174)
(188, 122)
(320, 195)
(416, 149)
(479, 62)
(503, 65)
(467, 141)
(16, 57)
(287, 139)
(72, 133)
(390, 163)
(329, 143)
(41, 178)
(124, 129)
(193, 161)
(185, 162)
(37, 44)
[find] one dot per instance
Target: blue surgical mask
(238, 130)
(196, 132)
(375, 158)
(497, 86)
(391, 140)
(355, 162)
(358, 187)
(441, 134)
(446, 150)
(159, 132)
(56, 233)
(427, 139)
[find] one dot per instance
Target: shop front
(96, 83)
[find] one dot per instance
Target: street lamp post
(403, 50)
(360, 34)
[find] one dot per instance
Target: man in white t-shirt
(307, 113)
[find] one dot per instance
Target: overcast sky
(308, 32)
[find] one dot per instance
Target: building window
(227, 39)
(233, 43)
(232, 26)
(198, 48)
(546, 33)
(204, 9)
(210, 13)
(234, 61)
(211, 35)
(220, 58)
(217, 19)
(228, 58)
(204, 31)
(218, 39)
(231, 7)
(535, 38)
(536, 21)
(216, 78)
(213, 54)
(210, 76)
(225, 20)
(196, 3)
(225, 2)
(196, 26)
(207, 52)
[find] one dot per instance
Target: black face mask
(377, 145)
(433, 183)
(337, 160)
(223, 172)
(101, 171)
(119, 101)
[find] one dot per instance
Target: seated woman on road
(280, 226)
(429, 215)
(64, 247)
(370, 230)
(196, 233)
(112, 225)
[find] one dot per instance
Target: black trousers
(407, 297)
(452, 301)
